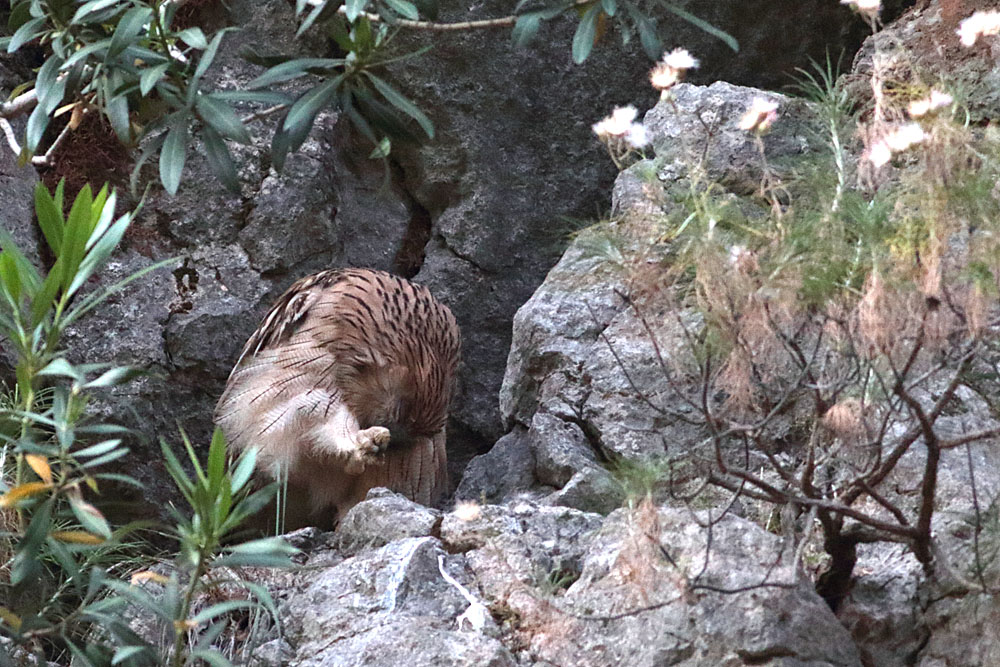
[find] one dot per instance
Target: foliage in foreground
(63, 593)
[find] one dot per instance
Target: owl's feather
(345, 385)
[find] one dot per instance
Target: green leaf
(100, 252)
(27, 564)
(244, 468)
(220, 608)
(221, 117)
(212, 657)
(220, 160)
(194, 38)
(293, 69)
(702, 25)
(117, 113)
(123, 653)
(89, 517)
(59, 367)
(85, 52)
(648, 36)
(381, 151)
(353, 9)
(525, 29)
(50, 88)
(130, 25)
(37, 122)
(400, 102)
(98, 449)
(91, 7)
(583, 40)
(209, 55)
(173, 154)
(302, 114)
(112, 377)
(50, 218)
(404, 8)
(27, 32)
(609, 7)
(150, 76)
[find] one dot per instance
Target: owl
(345, 386)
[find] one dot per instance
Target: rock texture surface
(475, 214)
(528, 584)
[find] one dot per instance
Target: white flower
(617, 124)
(980, 24)
(680, 59)
(760, 116)
(671, 69)
(923, 106)
(869, 8)
(879, 154)
(636, 136)
(904, 136)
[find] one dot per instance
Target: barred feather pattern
(345, 386)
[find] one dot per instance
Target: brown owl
(344, 387)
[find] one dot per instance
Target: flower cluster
(897, 141)
(669, 71)
(760, 116)
(867, 8)
(936, 100)
(621, 125)
(980, 24)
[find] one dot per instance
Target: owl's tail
(419, 471)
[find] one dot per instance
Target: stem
(181, 630)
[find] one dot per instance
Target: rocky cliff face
(479, 215)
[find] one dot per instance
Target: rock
(631, 605)
(508, 468)
(384, 517)
(526, 545)
(17, 186)
(389, 606)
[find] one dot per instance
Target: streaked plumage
(346, 384)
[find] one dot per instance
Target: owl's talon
(370, 445)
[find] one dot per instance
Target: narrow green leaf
(353, 9)
(125, 652)
(648, 36)
(149, 77)
(220, 608)
(221, 117)
(525, 29)
(27, 32)
(609, 7)
(212, 657)
(173, 154)
(50, 218)
(91, 7)
(404, 8)
(304, 111)
(98, 449)
(293, 69)
(50, 89)
(220, 160)
(38, 121)
(193, 37)
(85, 52)
(244, 469)
(397, 100)
(129, 27)
(209, 54)
(583, 39)
(59, 367)
(702, 25)
(89, 517)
